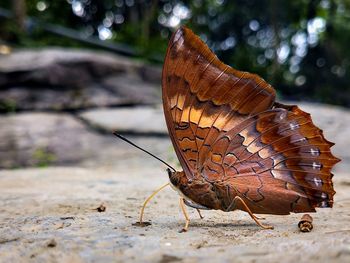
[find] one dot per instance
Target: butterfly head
(172, 177)
(183, 186)
(178, 181)
(175, 178)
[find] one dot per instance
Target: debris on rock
(305, 223)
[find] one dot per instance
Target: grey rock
(40, 139)
(151, 73)
(140, 120)
(58, 79)
(33, 202)
(132, 89)
(46, 139)
(25, 60)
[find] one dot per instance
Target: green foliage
(7, 105)
(42, 157)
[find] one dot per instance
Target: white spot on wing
(317, 182)
(293, 126)
(314, 152)
(282, 115)
(316, 166)
(303, 139)
(324, 204)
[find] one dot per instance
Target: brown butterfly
(238, 147)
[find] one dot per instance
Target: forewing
(202, 97)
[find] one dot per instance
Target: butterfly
(239, 149)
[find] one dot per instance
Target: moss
(43, 157)
(8, 105)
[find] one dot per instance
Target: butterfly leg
(148, 199)
(238, 198)
(182, 205)
(259, 218)
(199, 213)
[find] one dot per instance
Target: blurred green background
(301, 47)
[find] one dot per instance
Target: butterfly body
(235, 142)
(220, 194)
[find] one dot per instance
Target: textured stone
(133, 120)
(38, 205)
(57, 79)
(40, 139)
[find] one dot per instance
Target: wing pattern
(198, 96)
(273, 154)
(228, 130)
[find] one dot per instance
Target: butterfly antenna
(138, 147)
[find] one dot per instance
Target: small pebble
(143, 224)
(52, 243)
(305, 223)
(101, 208)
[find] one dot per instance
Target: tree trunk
(148, 18)
(19, 13)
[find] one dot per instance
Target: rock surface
(140, 120)
(40, 139)
(39, 64)
(49, 215)
(56, 79)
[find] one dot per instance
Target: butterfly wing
(226, 127)
(202, 97)
(278, 161)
